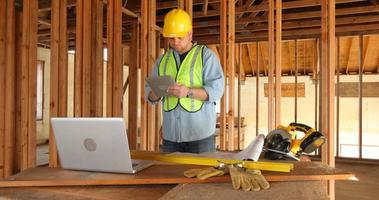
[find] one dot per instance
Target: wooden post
(58, 71)
(271, 65)
(278, 61)
(223, 54)
(114, 44)
(296, 65)
(7, 81)
(133, 86)
(257, 74)
(98, 58)
(28, 84)
(231, 67)
(188, 7)
(3, 24)
(88, 97)
(151, 56)
(144, 72)
(327, 85)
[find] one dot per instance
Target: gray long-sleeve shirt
(182, 126)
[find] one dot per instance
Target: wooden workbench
(161, 181)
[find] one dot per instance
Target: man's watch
(190, 93)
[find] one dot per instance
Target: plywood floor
(366, 188)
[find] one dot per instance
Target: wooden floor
(367, 186)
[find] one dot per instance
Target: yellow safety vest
(189, 74)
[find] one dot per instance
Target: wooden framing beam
(365, 51)
(231, 70)
(189, 7)
(58, 70)
(114, 67)
(88, 97)
(327, 93)
(205, 7)
(133, 86)
(271, 65)
(3, 58)
(251, 59)
(296, 76)
(223, 56)
(8, 86)
(278, 61)
(152, 123)
(360, 94)
(349, 55)
(28, 130)
(257, 89)
(144, 72)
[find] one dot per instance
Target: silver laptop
(95, 144)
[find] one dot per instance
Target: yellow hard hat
(177, 23)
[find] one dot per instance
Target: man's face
(181, 44)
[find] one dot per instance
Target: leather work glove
(203, 173)
(248, 179)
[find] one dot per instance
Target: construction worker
(189, 116)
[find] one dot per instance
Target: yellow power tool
(291, 141)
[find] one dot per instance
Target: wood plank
(278, 61)
(350, 89)
(87, 98)
(144, 73)
(151, 56)
(3, 24)
(98, 60)
(160, 174)
(58, 71)
(289, 90)
(32, 130)
(231, 72)
(327, 85)
(78, 88)
(223, 56)
(133, 87)
(271, 65)
(18, 83)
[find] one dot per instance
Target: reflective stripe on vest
(189, 74)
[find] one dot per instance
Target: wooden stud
(257, 89)
(231, 67)
(278, 61)
(133, 87)
(98, 58)
(205, 7)
(271, 65)
(3, 41)
(188, 7)
(78, 88)
(28, 85)
(338, 96)
(328, 85)
(114, 67)
(360, 89)
(296, 75)
(151, 56)
(144, 72)
(58, 71)
(223, 56)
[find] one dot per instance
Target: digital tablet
(159, 84)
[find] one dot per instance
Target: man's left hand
(177, 90)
